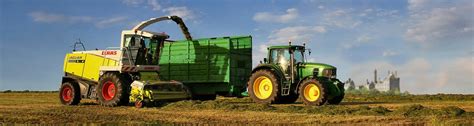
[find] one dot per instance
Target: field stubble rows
(355, 109)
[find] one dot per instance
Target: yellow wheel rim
(262, 87)
(311, 92)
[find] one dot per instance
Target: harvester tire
(312, 92)
(113, 90)
(70, 93)
(264, 87)
(336, 100)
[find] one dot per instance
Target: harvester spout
(176, 19)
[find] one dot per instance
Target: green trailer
(209, 66)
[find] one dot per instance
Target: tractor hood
(318, 65)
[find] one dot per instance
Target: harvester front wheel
(69, 93)
(312, 92)
(263, 87)
(113, 90)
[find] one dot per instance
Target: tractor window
(280, 56)
(299, 56)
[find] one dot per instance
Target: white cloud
(44, 17)
(259, 52)
(364, 38)
(110, 21)
(133, 2)
(431, 24)
(321, 7)
(388, 53)
(290, 15)
(154, 5)
(182, 12)
(341, 18)
(295, 34)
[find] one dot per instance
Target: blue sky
(429, 42)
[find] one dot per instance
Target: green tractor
(285, 76)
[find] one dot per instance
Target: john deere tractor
(285, 76)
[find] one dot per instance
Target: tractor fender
(274, 68)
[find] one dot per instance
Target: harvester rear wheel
(70, 93)
(312, 92)
(113, 90)
(263, 87)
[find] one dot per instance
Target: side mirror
(265, 60)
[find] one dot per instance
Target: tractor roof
(285, 47)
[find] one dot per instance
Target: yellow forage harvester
(122, 75)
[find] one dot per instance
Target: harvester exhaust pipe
(176, 19)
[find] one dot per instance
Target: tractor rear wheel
(113, 90)
(263, 87)
(312, 92)
(70, 93)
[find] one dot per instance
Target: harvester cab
(285, 76)
(130, 73)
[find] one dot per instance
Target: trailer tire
(312, 92)
(113, 90)
(70, 93)
(264, 87)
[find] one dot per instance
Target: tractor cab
(137, 47)
(286, 57)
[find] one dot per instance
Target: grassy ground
(44, 108)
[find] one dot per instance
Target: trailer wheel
(70, 93)
(312, 92)
(263, 87)
(113, 90)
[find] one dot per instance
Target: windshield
(299, 56)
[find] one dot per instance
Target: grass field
(44, 108)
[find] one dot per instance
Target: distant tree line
(27, 91)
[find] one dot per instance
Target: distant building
(349, 84)
(389, 83)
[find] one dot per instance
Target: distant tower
(375, 76)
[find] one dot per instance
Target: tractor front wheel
(69, 93)
(263, 87)
(113, 90)
(312, 92)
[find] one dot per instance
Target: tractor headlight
(330, 73)
(315, 72)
